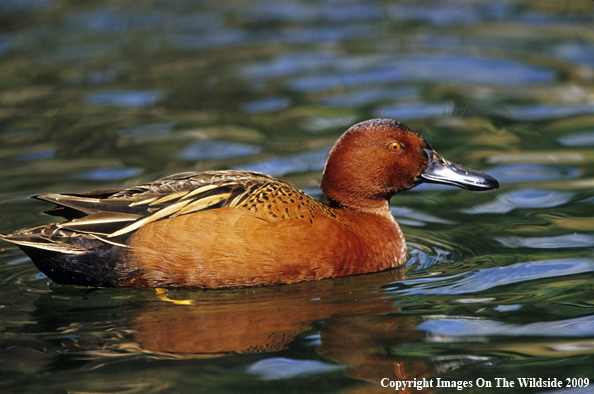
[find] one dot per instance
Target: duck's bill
(439, 170)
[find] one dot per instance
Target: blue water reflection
(578, 140)
(420, 259)
(321, 124)
(413, 217)
(532, 172)
(112, 21)
(451, 14)
(581, 53)
(291, 63)
(7, 41)
(302, 12)
(107, 174)
(524, 198)
(130, 98)
(428, 68)
(415, 111)
(475, 70)
(544, 112)
(98, 77)
(575, 240)
(16, 7)
(213, 150)
(280, 166)
(467, 328)
(43, 154)
(320, 83)
(362, 97)
(285, 368)
(489, 278)
(197, 42)
(266, 105)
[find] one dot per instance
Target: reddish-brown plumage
(361, 173)
(213, 248)
(234, 228)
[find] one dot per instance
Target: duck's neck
(344, 192)
(385, 245)
(379, 207)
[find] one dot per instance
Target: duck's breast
(234, 247)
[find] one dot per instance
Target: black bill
(439, 170)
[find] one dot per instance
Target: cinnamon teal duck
(237, 228)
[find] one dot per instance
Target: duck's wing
(112, 215)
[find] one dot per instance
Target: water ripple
(580, 139)
(525, 198)
(426, 252)
(413, 217)
(108, 174)
(451, 14)
(280, 166)
(266, 105)
(291, 63)
(326, 34)
(415, 111)
(16, 7)
(6, 43)
(209, 40)
(299, 12)
(473, 70)
(545, 112)
(43, 154)
(429, 68)
(363, 97)
(580, 53)
(437, 15)
(554, 242)
(468, 327)
(320, 83)
(212, 150)
(109, 21)
(319, 124)
(130, 98)
(420, 259)
(284, 368)
(489, 278)
(532, 172)
(146, 130)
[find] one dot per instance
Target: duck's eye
(395, 147)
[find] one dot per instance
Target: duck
(234, 228)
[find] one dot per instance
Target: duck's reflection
(353, 316)
(356, 327)
(254, 320)
(354, 321)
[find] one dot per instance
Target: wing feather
(111, 216)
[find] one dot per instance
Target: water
(498, 285)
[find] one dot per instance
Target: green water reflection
(105, 94)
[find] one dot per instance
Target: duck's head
(378, 158)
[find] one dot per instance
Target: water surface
(499, 284)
